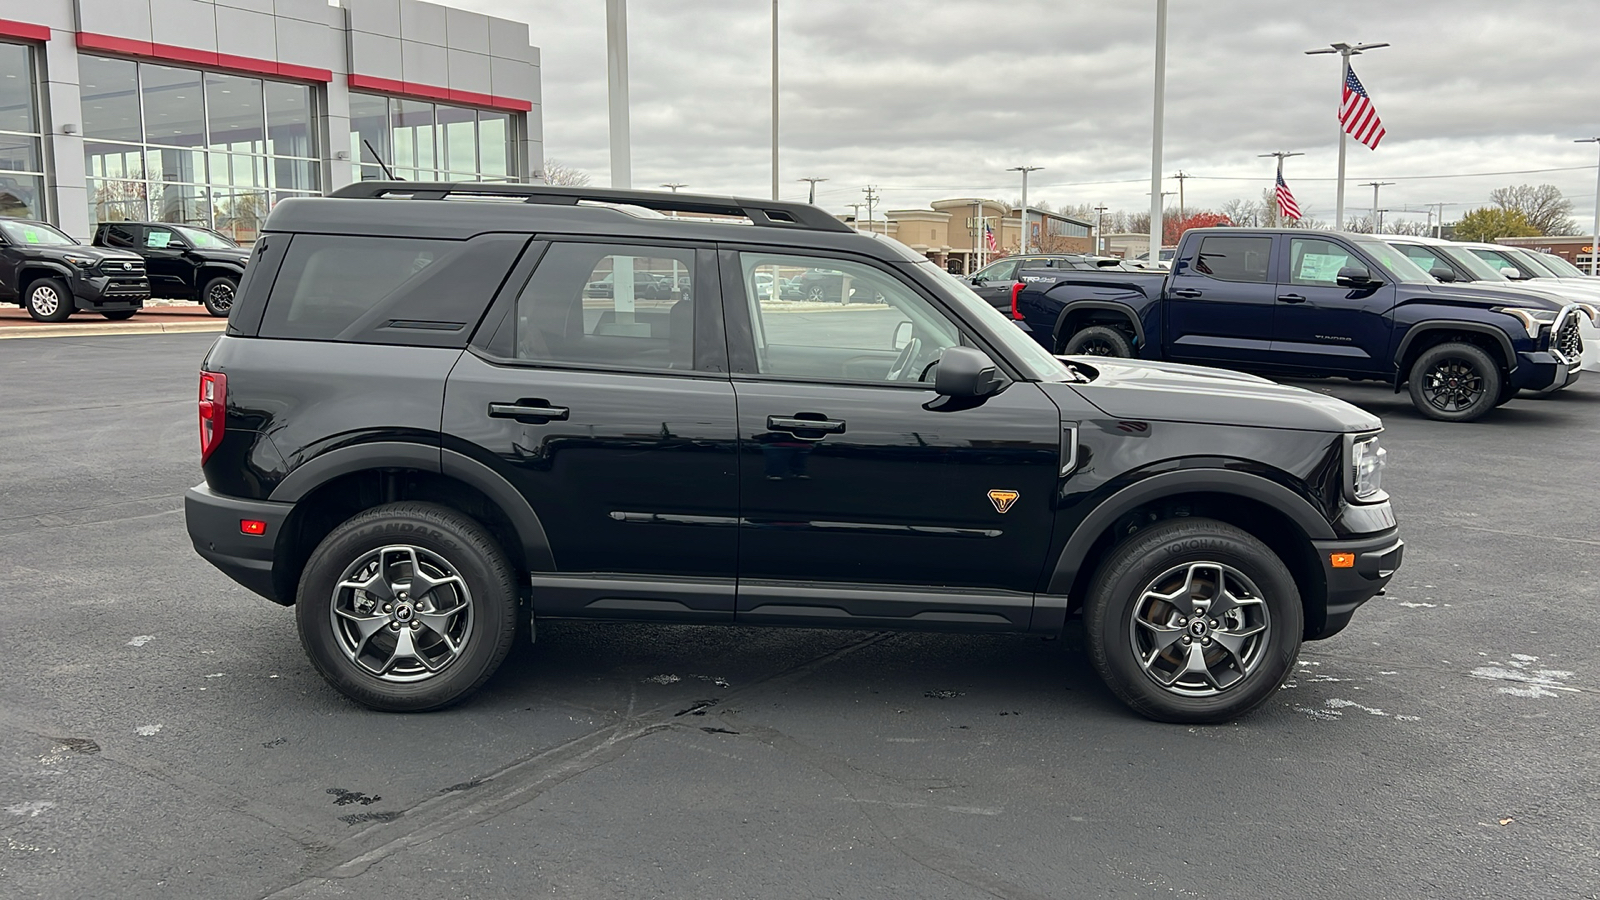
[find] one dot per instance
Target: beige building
(952, 232)
(1575, 249)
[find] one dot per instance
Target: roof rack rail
(770, 213)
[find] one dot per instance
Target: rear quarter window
(387, 290)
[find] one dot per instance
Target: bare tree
(1543, 207)
(559, 173)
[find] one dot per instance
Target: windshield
(1398, 264)
(1529, 263)
(34, 233)
(202, 239)
(1561, 267)
(1037, 362)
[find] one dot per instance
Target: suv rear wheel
(1098, 340)
(217, 295)
(49, 300)
(1193, 620)
(407, 607)
(1455, 382)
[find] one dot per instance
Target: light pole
(1155, 136)
(1594, 245)
(1345, 51)
(1373, 222)
(617, 82)
(1099, 227)
(673, 185)
(1439, 227)
(774, 99)
(811, 196)
(1280, 155)
(1022, 241)
(1158, 238)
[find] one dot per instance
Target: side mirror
(1355, 277)
(1512, 272)
(902, 336)
(1444, 274)
(966, 374)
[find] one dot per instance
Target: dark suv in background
(52, 276)
(423, 430)
(185, 262)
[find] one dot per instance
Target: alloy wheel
(44, 301)
(1452, 385)
(402, 613)
(1199, 629)
(221, 296)
(1097, 348)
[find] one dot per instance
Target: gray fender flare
(1109, 305)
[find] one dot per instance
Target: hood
(1171, 392)
(90, 251)
(1486, 295)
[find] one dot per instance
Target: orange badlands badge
(1003, 500)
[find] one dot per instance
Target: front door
(1322, 326)
(611, 411)
(860, 503)
(1220, 301)
(170, 271)
(993, 283)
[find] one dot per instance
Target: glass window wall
(169, 144)
(423, 141)
(21, 165)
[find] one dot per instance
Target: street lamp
(1023, 240)
(617, 81)
(1099, 219)
(774, 99)
(1594, 245)
(1155, 136)
(811, 196)
(673, 185)
(1375, 185)
(1345, 51)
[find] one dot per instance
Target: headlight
(1590, 311)
(1366, 463)
(1532, 319)
(82, 262)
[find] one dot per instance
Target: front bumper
(213, 521)
(1375, 559)
(1545, 372)
(99, 292)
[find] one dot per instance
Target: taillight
(213, 411)
(1015, 290)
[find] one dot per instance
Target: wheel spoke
(405, 647)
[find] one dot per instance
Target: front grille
(123, 268)
(127, 288)
(1567, 341)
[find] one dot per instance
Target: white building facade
(209, 112)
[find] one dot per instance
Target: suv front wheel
(1193, 620)
(49, 300)
(407, 607)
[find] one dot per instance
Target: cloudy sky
(938, 98)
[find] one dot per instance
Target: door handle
(1187, 293)
(804, 428)
(528, 409)
(1292, 298)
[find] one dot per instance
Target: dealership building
(211, 111)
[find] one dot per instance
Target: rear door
(993, 283)
(1322, 326)
(611, 412)
(1220, 301)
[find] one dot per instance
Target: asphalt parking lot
(163, 735)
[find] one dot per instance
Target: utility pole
(617, 82)
(774, 99)
(872, 198)
(1022, 241)
(1156, 129)
(1345, 51)
(1594, 245)
(811, 196)
(1280, 155)
(1375, 185)
(1378, 219)
(1099, 219)
(977, 229)
(1181, 176)
(1439, 226)
(674, 185)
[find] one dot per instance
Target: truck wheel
(217, 295)
(48, 300)
(119, 315)
(1193, 620)
(1098, 340)
(407, 607)
(1455, 382)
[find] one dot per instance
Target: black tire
(1146, 564)
(119, 315)
(1455, 382)
(218, 295)
(1098, 340)
(445, 542)
(48, 300)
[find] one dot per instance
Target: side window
(611, 306)
(1316, 262)
(121, 236)
(1001, 271)
(1234, 258)
(159, 238)
(870, 326)
(1422, 256)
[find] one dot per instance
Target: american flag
(1357, 114)
(988, 238)
(1286, 205)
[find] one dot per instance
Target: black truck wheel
(1098, 340)
(217, 295)
(1455, 382)
(49, 300)
(1193, 620)
(407, 607)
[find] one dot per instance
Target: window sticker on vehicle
(31, 235)
(158, 239)
(1322, 266)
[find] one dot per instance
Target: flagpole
(1345, 51)
(1155, 138)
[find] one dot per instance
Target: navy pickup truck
(1312, 304)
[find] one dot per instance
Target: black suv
(52, 276)
(422, 431)
(186, 262)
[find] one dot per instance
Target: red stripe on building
(27, 32)
(169, 53)
(430, 92)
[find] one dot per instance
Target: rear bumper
(1376, 558)
(213, 522)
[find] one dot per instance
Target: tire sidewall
(481, 565)
(1480, 360)
(65, 302)
(205, 295)
(1119, 341)
(1120, 583)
